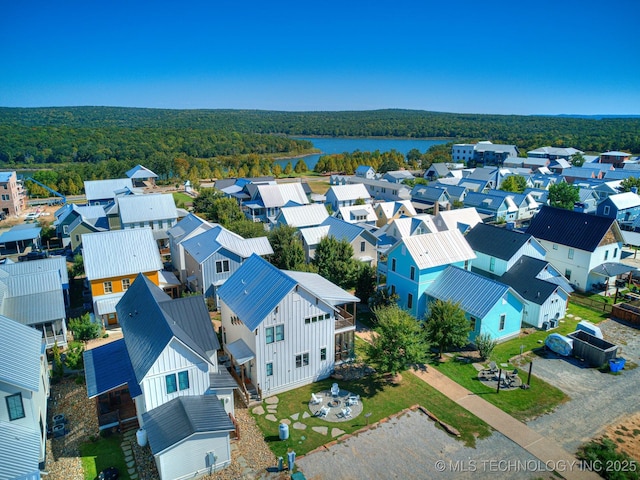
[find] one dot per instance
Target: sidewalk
(544, 449)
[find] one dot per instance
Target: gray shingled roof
(522, 278)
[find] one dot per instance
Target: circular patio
(335, 408)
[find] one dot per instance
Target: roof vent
(246, 292)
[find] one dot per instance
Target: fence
(593, 304)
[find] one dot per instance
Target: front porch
(116, 409)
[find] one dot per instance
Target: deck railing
(344, 319)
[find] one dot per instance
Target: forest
(72, 144)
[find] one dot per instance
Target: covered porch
(240, 362)
(608, 276)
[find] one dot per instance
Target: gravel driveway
(597, 399)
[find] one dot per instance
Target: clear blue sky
(523, 57)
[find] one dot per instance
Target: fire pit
(334, 403)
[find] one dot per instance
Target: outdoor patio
(509, 379)
(335, 405)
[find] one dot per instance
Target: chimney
(436, 208)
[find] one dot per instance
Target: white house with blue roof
(490, 306)
(166, 366)
(284, 329)
(186, 228)
(24, 386)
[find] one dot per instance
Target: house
(584, 248)
(624, 207)
(20, 237)
(398, 176)
(572, 174)
(214, 255)
(285, 329)
(382, 190)
(462, 219)
(113, 259)
(141, 176)
(588, 202)
(267, 200)
(619, 174)
(462, 152)
(386, 212)
(24, 386)
(456, 193)
(103, 192)
(13, 199)
(302, 216)
(414, 262)
(81, 226)
(69, 229)
(426, 197)
(487, 153)
(242, 189)
(490, 306)
(164, 374)
(535, 163)
(361, 240)
(559, 165)
(362, 214)
(492, 207)
(188, 227)
(554, 153)
(401, 228)
(347, 195)
(436, 170)
(615, 158)
(527, 205)
(365, 171)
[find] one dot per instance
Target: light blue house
(491, 307)
(415, 262)
(624, 207)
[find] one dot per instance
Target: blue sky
(522, 57)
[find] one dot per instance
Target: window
(302, 360)
(412, 273)
(570, 253)
(555, 246)
(567, 274)
(108, 288)
(503, 319)
(65, 229)
(363, 246)
(393, 264)
(606, 210)
(269, 369)
(492, 264)
(606, 254)
(15, 407)
(183, 380)
(615, 253)
(77, 238)
(170, 381)
(323, 354)
(268, 332)
(409, 301)
(126, 282)
(141, 224)
(280, 332)
(393, 289)
(222, 266)
(472, 321)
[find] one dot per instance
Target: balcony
(344, 319)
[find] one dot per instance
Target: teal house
(491, 307)
(416, 261)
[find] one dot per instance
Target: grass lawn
(379, 398)
(521, 404)
(103, 453)
(182, 198)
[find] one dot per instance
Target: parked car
(31, 216)
(33, 255)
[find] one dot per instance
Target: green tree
(225, 211)
(334, 261)
(514, 183)
(288, 252)
(563, 195)
(446, 325)
(577, 159)
(204, 201)
(365, 282)
(288, 170)
(399, 342)
(301, 167)
(628, 183)
(57, 367)
(77, 269)
(73, 356)
(382, 297)
(246, 228)
(84, 329)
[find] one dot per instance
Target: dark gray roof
(496, 241)
(148, 327)
(189, 312)
(574, 229)
(221, 379)
(182, 417)
(522, 278)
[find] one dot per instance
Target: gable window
(393, 264)
(503, 319)
(65, 229)
(170, 381)
(280, 332)
(472, 321)
(615, 253)
(77, 238)
(606, 254)
(15, 406)
(108, 287)
(606, 210)
(571, 253)
(222, 266)
(323, 354)
(492, 264)
(363, 246)
(409, 301)
(183, 380)
(126, 282)
(302, 360)
(268, 333)
(269, 369)
(412, 273)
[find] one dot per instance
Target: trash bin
(617, 364)
(284, 431)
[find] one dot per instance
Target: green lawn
(103, 453)
(379, 398)
(182, 198)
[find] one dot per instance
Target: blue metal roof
(21, 232)
(20, 447)
(182, 417)
(5, 176)
(342, 230)
(254, 290)
(476, 294)
(108, 367)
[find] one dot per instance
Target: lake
(332, 145)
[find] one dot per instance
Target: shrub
(485, 345)
(57, 367)
(603, 455)
(84, 329)
(73, 358)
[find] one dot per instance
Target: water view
(350, 144)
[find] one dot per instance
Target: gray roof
(105, 189)
(352, 191)
(322, 288)
(187, 225)
(496, 241)
(32, 298)
(26, 231)
(202, 246)
(53, 263)
(437, 248)
(140, 172)
(304, 215)
(150, 320)
(147, 208)
(522, 277)
(624, 200)
(20, 349)
(20, 447)
(282, 193)
(476, 294)
(183, 417)
(118, 253)
(222, 379)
